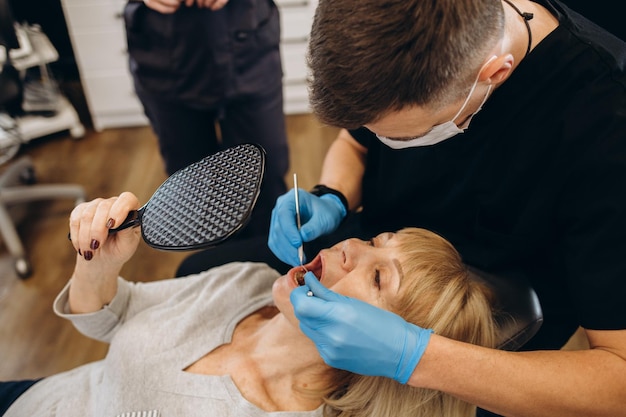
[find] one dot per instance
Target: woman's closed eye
(372, 243)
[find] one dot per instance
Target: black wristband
(320, 189)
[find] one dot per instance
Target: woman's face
(369, 271)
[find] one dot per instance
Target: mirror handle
(132, 220)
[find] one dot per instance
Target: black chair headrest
(518, 312)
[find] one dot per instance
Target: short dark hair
(370, 57)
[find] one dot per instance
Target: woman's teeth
(314, 266)
(299, 276)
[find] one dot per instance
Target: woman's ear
(497, 69)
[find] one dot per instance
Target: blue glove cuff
(340, 204)
(414, 346)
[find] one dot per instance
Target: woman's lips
(314, 266)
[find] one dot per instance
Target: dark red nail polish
(94, 244)
(110, 223)
(80, 253)
(88, 255)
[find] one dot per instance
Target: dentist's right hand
(319, 216)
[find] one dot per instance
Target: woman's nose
(352, 251)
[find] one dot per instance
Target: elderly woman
(226, 342)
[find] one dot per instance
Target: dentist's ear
(497, 69)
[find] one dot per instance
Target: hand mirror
(203, 204)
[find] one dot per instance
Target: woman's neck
(271, 362)
(284, 361)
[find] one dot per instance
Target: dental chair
(18, 178)
(518, 312)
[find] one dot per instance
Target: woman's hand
(208, 4)
(89, 230)
(164, 6)
(170, 6)
(100, 255)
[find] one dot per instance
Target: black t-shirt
(535, 187)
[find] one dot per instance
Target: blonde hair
(437, 293)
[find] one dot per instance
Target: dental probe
(295, 190)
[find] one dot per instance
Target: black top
(536, 186)
(202, 57)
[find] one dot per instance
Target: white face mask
(442, 131)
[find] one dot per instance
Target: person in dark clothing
(200, 64)
(500, 125)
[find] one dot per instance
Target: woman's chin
(281, 290)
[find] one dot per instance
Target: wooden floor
(33, 341)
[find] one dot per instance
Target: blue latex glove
(358, 337)
(318, 216)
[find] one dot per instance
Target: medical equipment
(22, 44)
(298, 222)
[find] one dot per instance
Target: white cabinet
(296, 19)
(96, 29)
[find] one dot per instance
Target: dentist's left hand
(356, 336)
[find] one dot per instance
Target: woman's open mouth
(314, 266)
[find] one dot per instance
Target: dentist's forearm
(527, 384)
(344, 165)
